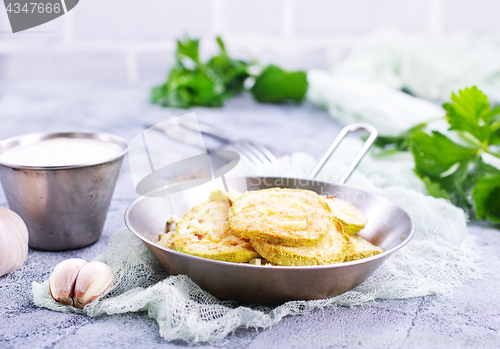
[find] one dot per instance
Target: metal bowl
(64, 207)
(389, 227)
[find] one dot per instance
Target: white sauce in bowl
(61, 151)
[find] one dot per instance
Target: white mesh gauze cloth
(367, 85)
(440, 256)
(430, 67)
(350, 100)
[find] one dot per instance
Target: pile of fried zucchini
(289, 227)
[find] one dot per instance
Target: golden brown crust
(352, 219)
(291, 217)
(361, 248)
(167, 240)
(332, 248)
(204, 232)
(285, 226)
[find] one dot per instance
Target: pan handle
(349, 128)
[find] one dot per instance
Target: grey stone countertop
(472, 313)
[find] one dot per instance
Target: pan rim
(382, 255)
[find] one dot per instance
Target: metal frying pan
(389, 226)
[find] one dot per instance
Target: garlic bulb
(13, 241)
(76, 282)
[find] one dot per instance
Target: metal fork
(254, 152)
(248, 150)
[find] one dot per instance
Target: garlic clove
(63, 278)
(93, 280)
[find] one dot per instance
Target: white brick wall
(477, 16)
(141, 20)
(318, 17)
(57, 63)
(257, 16)
(154, 66)
(131, 40)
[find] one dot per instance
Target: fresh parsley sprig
(194, 83)
(456, 171)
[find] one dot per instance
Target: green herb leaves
(487, 197)
(456, 171)
(275, 85)
(436, 154)
(231, 72)
(444, 166)
(471, 113)
(192, 82)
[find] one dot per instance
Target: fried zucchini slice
(167, 237)
(361, 248)
(352, 219)
(332, 248)
(230, 196)
(204, 232)
(167, 240)
(291, 217)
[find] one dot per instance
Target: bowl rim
(31, 138)
(382, 255)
